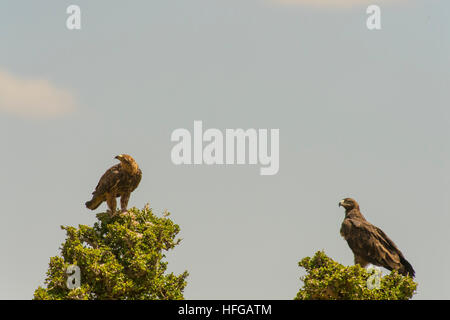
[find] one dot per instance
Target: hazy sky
(361, 113)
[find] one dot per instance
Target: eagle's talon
(111, 213)
(124, 213)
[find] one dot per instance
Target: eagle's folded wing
(371, 243)
(108, 181)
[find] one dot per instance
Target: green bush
(327, 279)
(120, 257)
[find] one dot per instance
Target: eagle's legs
(359, 260)
(124, 201)
(112, 203)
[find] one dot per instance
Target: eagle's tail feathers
(407, 268)
(94, 203)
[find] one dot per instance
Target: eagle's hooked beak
(341, 203)
(119, 157)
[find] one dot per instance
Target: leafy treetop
(120, 257)
(327, 279)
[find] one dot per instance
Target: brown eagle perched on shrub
(369, 243)
(118, 181)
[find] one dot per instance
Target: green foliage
(120, 257)
(327, 279)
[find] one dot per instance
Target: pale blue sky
(361, 113)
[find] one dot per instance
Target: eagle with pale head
(118, 181)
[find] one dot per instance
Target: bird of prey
(369, 243)
(118, 181)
